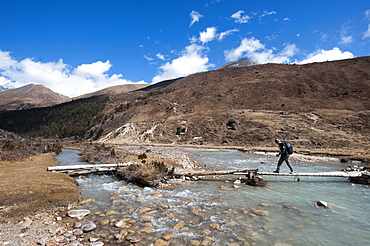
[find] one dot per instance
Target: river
(219, 212)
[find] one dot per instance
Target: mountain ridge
(29, 96)
(317, 105)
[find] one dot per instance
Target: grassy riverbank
(26, 187)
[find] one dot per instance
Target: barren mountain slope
(117, 89)
(29, 96)
(322, 105)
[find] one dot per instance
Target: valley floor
(32, 200)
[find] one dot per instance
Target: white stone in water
(322, 204)
(122, 224)
(89, 226)
(97, 244)
(77, 232)
(78, 213)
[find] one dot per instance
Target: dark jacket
(283, 149)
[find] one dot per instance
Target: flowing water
(218, 212)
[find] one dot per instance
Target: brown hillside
(319, 105)
(29, 96)
(117, 89)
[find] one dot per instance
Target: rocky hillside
(319, 105)
(29, 96)
(316, 106)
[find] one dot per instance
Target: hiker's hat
(277, 140)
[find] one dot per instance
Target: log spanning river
(219, 212)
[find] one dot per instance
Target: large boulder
(256, 181)
(233, 124)
(182, 128)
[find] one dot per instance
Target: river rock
(40, 242)
(158, 195)
(168, 235)
(260, 212)
(161, 242)
(265, 205)
(93, 239)
(144, 210)
(89, 226)
(104, 222)
(97, 244)
(215, 226)
(146, 218)
(146, 230)
(194, 242)
(77, 224)
(78, 232)
(74, 244)
(256, 181)
(26, 223)
(207, 241)
(78, 213)
(110, 212)
(133, 239)
(178, 226)
(87, 200)
(122, 224)
(322, 204)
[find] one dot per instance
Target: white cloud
(96, 69)
(192, 60)
(160, 56)
(59, 76)
(327, 55)
(367, 13)
(367, 33)
(4, 81)
(208, 35)
(266, 13)
(226, 33)
(346, 40)
(246, 46)
(255, 50)
(195, 16)
(148, 58)
(6, 61)
(240, 18)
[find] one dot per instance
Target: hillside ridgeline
(317, 106)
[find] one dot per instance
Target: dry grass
(26, 187)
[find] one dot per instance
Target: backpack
(289, 148)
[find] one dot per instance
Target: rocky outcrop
(256, 181)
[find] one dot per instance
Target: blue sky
(78, 46)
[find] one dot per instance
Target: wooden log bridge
(86, 169)
(318, 174)
(220, 172)
(250, 173)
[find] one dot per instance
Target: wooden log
(319, 174)
(87, 166)
(219, 172)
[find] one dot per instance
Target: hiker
(285, 151)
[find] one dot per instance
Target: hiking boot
(276, 171)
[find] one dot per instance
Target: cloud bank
(192, 60)
(327, 55)
(257, 51)
(58, 76)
